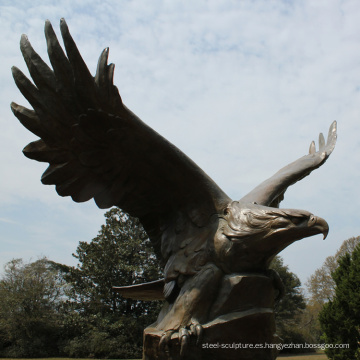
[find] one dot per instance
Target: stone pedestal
(241, 326)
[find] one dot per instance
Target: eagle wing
(271, 191)
(98, 149)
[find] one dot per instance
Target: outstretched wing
(99, 149)
(271, 191)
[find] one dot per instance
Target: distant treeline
(49, 309)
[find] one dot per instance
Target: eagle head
(250, 235)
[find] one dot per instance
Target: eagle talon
(199, 333)
(184, 338)
(165, 340)
(184, 334)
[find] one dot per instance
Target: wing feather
(59, 61)
(82, 76)
(97, 148)
(41, 74)
(29, 119)
(271, 191)
(38, 150)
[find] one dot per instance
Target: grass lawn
(310, 356)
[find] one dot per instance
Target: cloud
(7, 221)
(240, 87)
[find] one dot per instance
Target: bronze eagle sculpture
(98, 149)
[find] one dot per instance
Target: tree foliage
(340, 317)
(290, 306)
(50, 309)
(121, 254)
(102, 323)
(30, 309)
(321, 289)
(321, 285)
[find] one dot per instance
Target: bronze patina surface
(216, 252)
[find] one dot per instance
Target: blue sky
(242, 87)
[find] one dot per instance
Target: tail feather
(153, 290)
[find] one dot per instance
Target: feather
(271, 191)
(30, 120)
(312, 148)
(97, 148)
(81, 189)
(83, 79)
(28, 89)
(148, 291)
(321, 142)
(38, 150)
(60, 173)
(58, 59)
(101, 76)
(168, 288)
(42, 75)
(93, 158)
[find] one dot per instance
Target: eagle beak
(319, 224)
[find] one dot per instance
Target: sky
(242, 87)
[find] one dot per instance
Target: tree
(50, 309)
(102, 323)
(321, 288)
(321, 285)
(309, 323)
(340, 316)
(31, 298)
(290, 306)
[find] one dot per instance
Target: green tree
(102, 323)
(321, 285)
(290, 307)
(340, 317)
(31, 298)
(321, 289)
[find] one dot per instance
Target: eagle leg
(190, 309)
